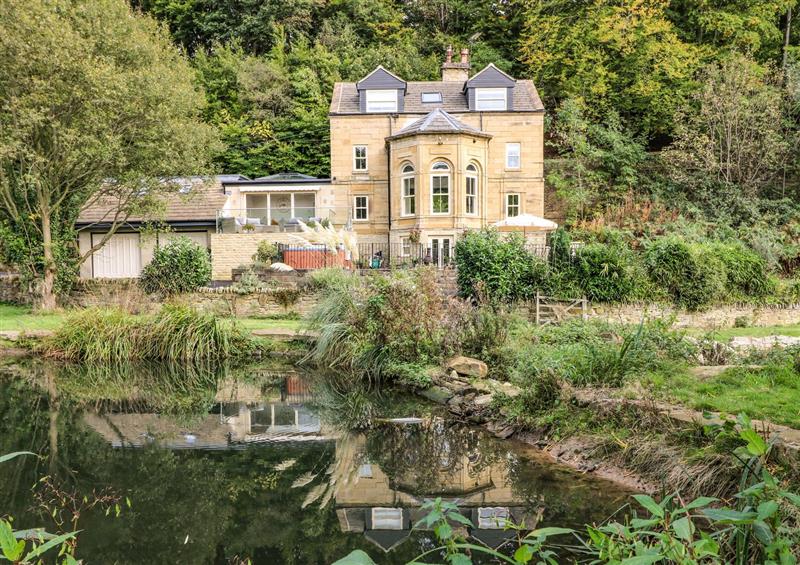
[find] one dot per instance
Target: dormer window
(491, 99)
(381, 101)
(431, 97)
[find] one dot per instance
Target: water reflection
(223, 464)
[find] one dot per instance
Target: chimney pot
(465, 56)
(449, 56)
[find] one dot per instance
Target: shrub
(179, 266)
(603, 272)
(370, 323)
(248, 283)
(746, 271)
(692, 275)
(504, 268)
(331, 277)
(266, 254)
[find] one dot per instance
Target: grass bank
(23, 319)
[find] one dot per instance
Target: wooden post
(537, 307)
(584, 309)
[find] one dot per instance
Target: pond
(168, 465)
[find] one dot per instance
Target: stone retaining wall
(11, 289)
(268, 302)
(715, 318)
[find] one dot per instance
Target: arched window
(409, 196)
(471, 190)
(440, 188)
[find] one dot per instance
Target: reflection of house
(242, 416)
(385, 509)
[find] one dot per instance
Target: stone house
(413, 165)
(423, 161)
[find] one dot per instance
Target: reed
(176, 333)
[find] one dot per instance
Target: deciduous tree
(95, 103)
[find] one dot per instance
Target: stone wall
(268, 302)
(109, 293)
(11, 289)
(715, 318)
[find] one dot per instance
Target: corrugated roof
(345, 97)
(437, 121)
(200, 203)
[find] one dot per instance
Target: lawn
(21, 318)
(754, 331)
(769, 393)
(270, 323)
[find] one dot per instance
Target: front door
(441, 250)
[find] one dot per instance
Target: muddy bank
(472, 400)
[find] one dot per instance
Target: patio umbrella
(525, 221)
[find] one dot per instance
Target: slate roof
(345, 98)
(437, 121)
(199, 203)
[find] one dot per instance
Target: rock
(483, 401)
(438, 394)
(457, 386)
(468, 366)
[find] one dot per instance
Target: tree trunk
(47, 300)
(786, 38)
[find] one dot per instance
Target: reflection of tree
(421, 455)
(569, 498)
(227, 502)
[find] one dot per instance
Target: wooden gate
(551, 310)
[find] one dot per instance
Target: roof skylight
(431, 97)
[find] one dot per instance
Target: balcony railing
(277, 220)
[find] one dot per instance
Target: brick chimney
(455, 72)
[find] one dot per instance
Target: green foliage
(176, 333)
(248, 283)
(14, 544)
(180, 266)
(746, 271)
(501, 268)
(587, 354)
(604, 272)
(602, 162)
(625, 58)
(266, 254)
(692, 276)
(374, 322)
(105, 87)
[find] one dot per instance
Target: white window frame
(471, 176)
(491, 99)
(405, 246)
(510, 154)
(436, 95)
(409, 180)
(381, 101)
(441, 175)
(356, 158)
(517, 205)
(356, 208)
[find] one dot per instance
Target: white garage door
(119, 258)
(199, 237)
